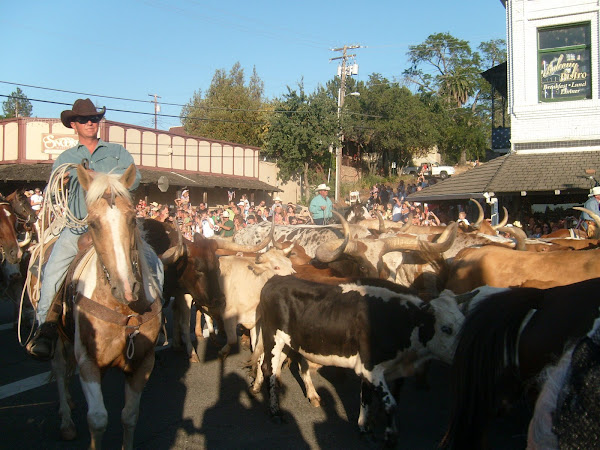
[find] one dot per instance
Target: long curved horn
(332, 250)
(594, 216)
(408, 223)
(504, 220)
(233, 246)
(381, 222)
(443, 243)
(173, 253)
(479, 220)
(26, 240)
(518, 234)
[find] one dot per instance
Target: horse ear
(84, 177)
(128, 178)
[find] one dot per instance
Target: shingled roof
(41, 172)
(510, 174)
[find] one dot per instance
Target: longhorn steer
(374, 329)
(503, 267)
(308, 236)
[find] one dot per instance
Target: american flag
(501, 138)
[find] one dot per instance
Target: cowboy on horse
(100, 156)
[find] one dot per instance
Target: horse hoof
(316, 402)
(69, 433)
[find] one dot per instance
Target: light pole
(338, 150)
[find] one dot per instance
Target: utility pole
(341, 95)
(156, 109)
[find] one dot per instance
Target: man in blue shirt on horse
(104, 157)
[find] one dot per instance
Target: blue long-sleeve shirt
(106, 158)
(315, 207)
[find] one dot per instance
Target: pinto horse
(115, 314)
(505, 342)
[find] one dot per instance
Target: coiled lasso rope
(55, 206)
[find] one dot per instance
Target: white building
(552, 83)
(553, 76)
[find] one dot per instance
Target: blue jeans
(64, 251)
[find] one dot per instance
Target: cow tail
(486, 349)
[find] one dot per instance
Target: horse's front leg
(134, 386)
(68, 431)
(97, 416)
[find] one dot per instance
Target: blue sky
(132, 48)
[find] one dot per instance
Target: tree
(231, 110)
(390, 123)
(446, 67)
(455, 68)
(17, 105)
(300, 133)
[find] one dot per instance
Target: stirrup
(43, 343)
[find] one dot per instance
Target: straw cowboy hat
(277, 199)
(594, 191)
(322, 187)
(83, 108)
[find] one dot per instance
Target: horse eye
(447, 329)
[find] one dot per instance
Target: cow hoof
(224, 352)
(316, 402)
(69, 433)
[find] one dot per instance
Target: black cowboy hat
(81, 108)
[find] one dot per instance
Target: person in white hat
(592, 204)
(321, 206)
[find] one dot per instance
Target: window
(564, 58)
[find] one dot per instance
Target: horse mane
(103, 182)
(486, 350)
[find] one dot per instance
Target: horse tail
(486, 348)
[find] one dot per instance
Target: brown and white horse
(115, 317)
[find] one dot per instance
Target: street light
(338, 150)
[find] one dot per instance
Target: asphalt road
(207, 406)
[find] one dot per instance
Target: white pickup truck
(433, 170)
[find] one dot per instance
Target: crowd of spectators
(223, 221)
(393, 205)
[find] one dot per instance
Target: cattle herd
(383, 299)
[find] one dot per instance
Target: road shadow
(239, 420)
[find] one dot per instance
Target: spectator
(238, 222)
(162, 213)
(207, 225)
(277, 201)
(36, 200)
(184, 198)
(227, 227)
(279, 216)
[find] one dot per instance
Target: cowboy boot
(42, 344)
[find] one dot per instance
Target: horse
(506, 341)
(112, 313)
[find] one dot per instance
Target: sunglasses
(84, 120)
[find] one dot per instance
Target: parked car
(431, 170)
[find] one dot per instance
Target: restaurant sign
(565, 75)
(54, 144)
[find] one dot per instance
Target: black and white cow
(374, 327)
